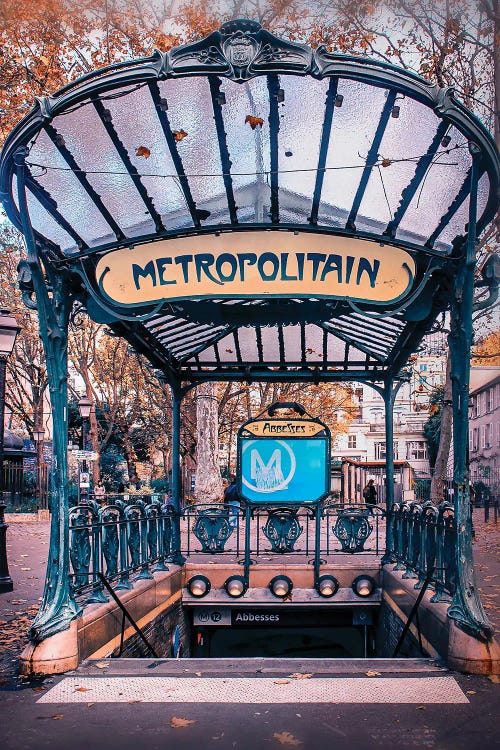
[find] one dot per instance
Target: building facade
(365, 440)
(484, 430)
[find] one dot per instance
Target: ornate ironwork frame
(51, 281)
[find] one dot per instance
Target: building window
(416, 450)
(380, 454)
(483, 435)
(474, 406)
(488, 435)
(351, 441)
(489, 400)
(475, 439)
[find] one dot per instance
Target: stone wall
(390, 627)
(160, 634)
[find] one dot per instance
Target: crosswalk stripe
(442, 689)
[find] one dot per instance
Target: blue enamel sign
(283, 470)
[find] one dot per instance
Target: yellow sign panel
(258, 265)
(284, 428)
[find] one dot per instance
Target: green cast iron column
(177, 558)
(389, 395)
(466, 608)
(58, 607)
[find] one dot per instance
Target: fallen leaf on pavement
(372, 673)
(177, 722)
(82, 690)
(285, 738)
(471, 692)
(101, 664)
(300, 676)
(281, 682)
(89, 705)
(421, 708)
(57, 716)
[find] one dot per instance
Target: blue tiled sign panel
(284, 471)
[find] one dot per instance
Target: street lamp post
(38, 435)
(8, 332)
(84, 408)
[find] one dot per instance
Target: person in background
(370, 494)
(99, 492)
(232, 498)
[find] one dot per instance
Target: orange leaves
(254, 121)
(285, 738)
(179, 135)
(177, 722)
(143, 151)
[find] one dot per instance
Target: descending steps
(257, 666)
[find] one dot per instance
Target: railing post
(410, 553)
(441, 594)
(97, 595)
(143, 526)
(123, 581)
(160, 531)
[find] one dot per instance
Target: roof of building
(483, 377)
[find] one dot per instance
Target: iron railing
(421, 538)
(128, 538)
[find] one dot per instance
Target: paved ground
(28, 724)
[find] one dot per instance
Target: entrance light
(281, 586)
(198, 586)
(327, 586)
(363, 586)
(235, 586)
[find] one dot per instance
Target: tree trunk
(130, 459)
(208, 482)
(438, 483)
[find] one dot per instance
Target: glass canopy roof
(246, 131)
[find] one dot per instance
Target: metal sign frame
(323, 435)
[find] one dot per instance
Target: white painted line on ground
(103, 689)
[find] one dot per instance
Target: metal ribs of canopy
(202, 140)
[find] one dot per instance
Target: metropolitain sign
(256, 264)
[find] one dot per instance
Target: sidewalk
(27, 552)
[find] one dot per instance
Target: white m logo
(268, 477)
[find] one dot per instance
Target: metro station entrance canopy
(308, 209)
(246, 208)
